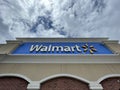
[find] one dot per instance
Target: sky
(59, 19)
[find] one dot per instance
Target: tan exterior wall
(7, 48)
(29, 66)
(115, 47)
(37, 72)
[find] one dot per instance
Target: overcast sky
(59, 18)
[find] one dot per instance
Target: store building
(60, 64)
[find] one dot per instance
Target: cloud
(59, 18)
(4, 32)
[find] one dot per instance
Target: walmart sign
(62, 48)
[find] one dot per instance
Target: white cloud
(60, 18)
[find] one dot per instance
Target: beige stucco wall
(7, 48)
(114, 46)
(36, 72)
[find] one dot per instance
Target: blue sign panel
(62, 48)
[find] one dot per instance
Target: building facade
(60, 64)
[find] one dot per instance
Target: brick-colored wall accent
(64, 83)
(111, 83)
(13, 83)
